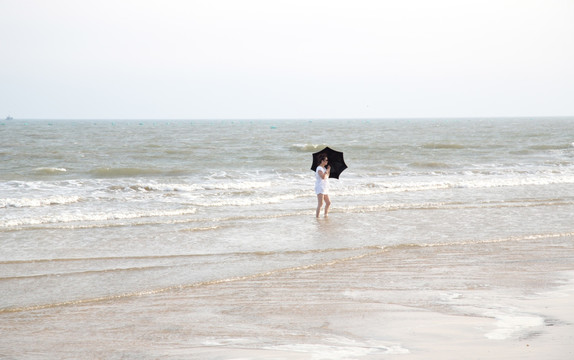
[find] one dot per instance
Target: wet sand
(408, 303)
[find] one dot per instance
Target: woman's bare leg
(327, 204)
(319, 204)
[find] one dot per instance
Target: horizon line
(10, 118)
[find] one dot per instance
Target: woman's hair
(321, 156)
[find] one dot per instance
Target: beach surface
(381, 304)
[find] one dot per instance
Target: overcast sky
(252, 59)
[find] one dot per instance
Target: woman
(322, 184)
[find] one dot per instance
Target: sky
(285, 59)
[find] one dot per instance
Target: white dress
(321, 185)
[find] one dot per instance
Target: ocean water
(215, 220)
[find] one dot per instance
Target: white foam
(510, 324)
(470, 182)
(92, 217)
(244, 201)
(245, 185)
(341, 349)
(37, 202)
(193, 187)
(450, 296)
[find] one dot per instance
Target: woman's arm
(326, 173)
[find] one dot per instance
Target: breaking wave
(93, 217)
(307, 147)
(31, 202)
(49, 171)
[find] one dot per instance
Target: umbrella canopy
(335, 160)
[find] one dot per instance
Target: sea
(145, 239)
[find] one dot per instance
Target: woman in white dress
(322, 184)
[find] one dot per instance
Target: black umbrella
(335, 160)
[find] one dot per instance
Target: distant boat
(9, 118)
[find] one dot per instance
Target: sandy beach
(354, 308)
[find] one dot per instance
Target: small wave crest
(307, 147)
(31, 202)
(430, 165)
(518, 238)
(50, 171)
(247, 200)
(246, 185)
(443, 146)
(240, 185)
(124, 172)
(551, 147)
(94, 217)
(462, 183)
